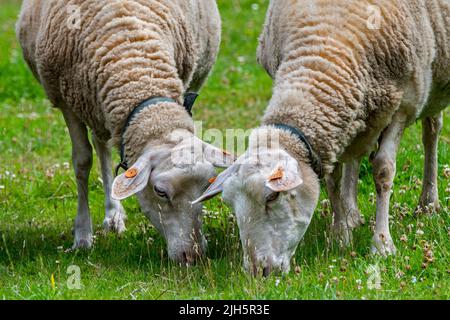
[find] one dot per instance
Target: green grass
(38, 203)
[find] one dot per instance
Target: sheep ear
(284, 177)
(218, 157)
(135, 179)
(216, 186)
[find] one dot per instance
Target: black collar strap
(189, 100)
(316, 163)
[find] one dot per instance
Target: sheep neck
(328, 120)
(154, 126)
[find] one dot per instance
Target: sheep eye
(272, 197)
(160, 193)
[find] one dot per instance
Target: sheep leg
(114, 212)
(342, 186)
(384, 167)
(349, 193)
(82, 163)
(429, 200)
(339, 228)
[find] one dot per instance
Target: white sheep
(121, 68)
(346, 74)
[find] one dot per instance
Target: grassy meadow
(38, 203)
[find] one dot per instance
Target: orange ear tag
(212, 180)
(131, 173)
(277, 174)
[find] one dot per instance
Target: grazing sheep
(98, 60)
(340, 86)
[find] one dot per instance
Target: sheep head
(273, 196)
(166, 178)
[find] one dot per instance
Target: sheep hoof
(83, 243)
(355, 219)
(342, 233)
(428, 207)
(383, 244)
(115, 221)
